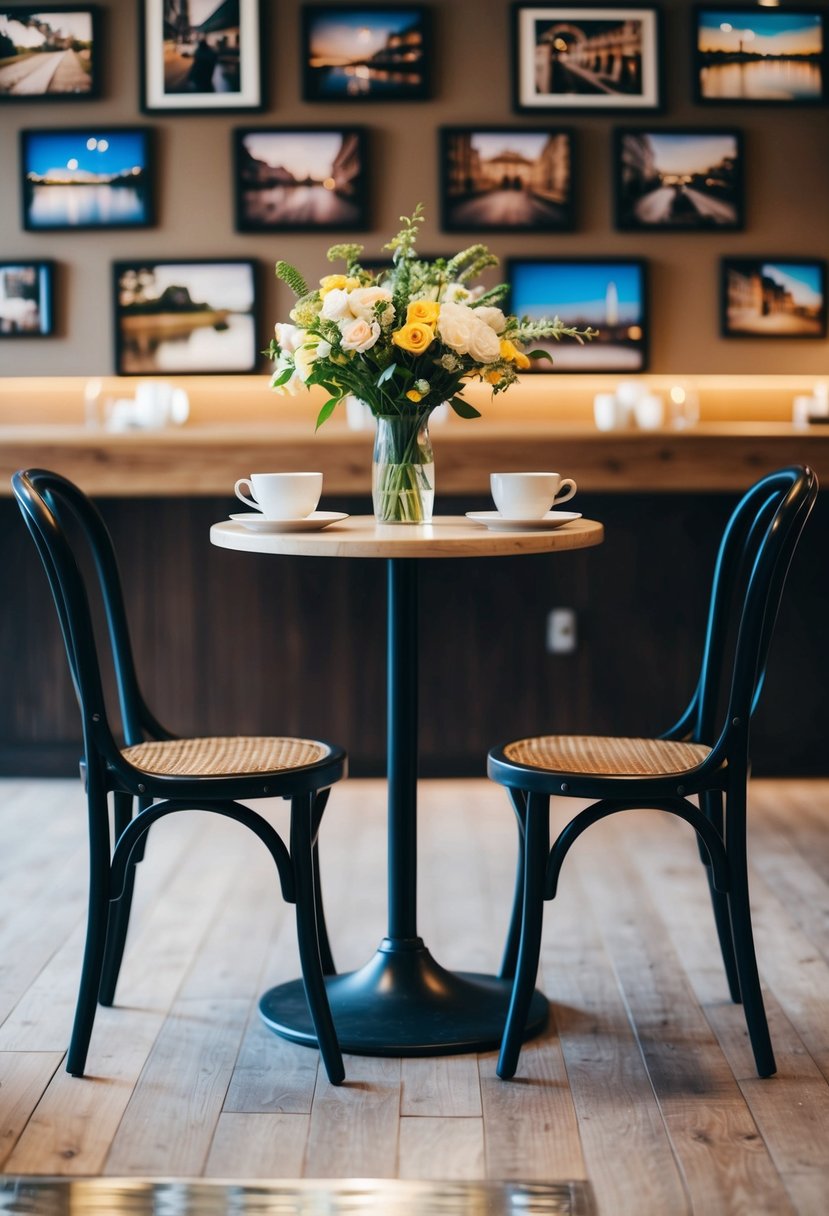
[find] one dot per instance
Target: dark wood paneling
(230, 642)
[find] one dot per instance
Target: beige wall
(786, 190)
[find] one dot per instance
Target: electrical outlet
(561, 631)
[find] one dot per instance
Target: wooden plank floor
(643, 1084)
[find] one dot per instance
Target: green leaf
(326, 411)
(539, 354)
(387, 374)
(463, 409)
(283, 379)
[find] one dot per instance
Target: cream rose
(364, 300)
(454, 327)
(484, 345)
(359, 334)
(493, 317)
(287, 336)
(336, 306)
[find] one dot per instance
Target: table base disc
(403, 1003)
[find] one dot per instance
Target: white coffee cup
(529, 495)
(281, 495)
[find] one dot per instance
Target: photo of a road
(45, 54)
(679, 180)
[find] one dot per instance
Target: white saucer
(311, 523)
(495, 521)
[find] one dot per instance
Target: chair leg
(96, 928)
(326, 957)
(510, 957)
(536, 853)
(302, 812)
(119, 910)
(711, 806)
(746, 958)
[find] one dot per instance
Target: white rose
(335, 306)
(288, 337)
(493, 317)
(484, 344)
(304, 360)
(455, 293)
(363, 300)
(359, 335)
(454, 327)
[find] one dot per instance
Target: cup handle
(568, 481)
(249, 501)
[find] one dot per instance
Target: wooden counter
(206, 459)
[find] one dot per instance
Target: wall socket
(562, 632)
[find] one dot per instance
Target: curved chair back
(52, 508)
(750, 572)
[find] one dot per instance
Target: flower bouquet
(403, 340)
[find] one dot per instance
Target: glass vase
(403, 470)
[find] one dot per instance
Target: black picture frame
(612, 296)
(27, 298)
(752, 63)
(192, 66)
(71, 47)
(773, 297)
(300, 179)
(678, 179)
(506, 179)
(586, 58)
(77, 178)
(396, 70)
(186, 316)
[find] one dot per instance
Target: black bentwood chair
(705, 755)
(164, 774)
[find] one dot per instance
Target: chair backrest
(752, 564)
(56, 511)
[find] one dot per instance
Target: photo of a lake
(357, 54)
(776, 56)
(185, 317)
(86, 178)
(607, 295)
(300, 178)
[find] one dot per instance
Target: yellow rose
(334, 282)
(414, 395)
(424, 312)
(513, 354)
(413, 337)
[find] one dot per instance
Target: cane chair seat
(606, 757)
(223, 756)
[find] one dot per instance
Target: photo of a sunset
(760, 56)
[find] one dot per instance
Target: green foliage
(290, 275)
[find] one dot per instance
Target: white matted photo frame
(185, 316)
(608, 294)
(583, 57)
(201, 55)
(50, 52)
(773, 297)
(26, 298)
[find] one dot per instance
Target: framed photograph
(185, 317)
(357, 52)
(586, 57)
(506, 179)
(86, 177)
(49, 52)
(310, 179)
(608, 294)
(760, 56)
(201, 55)
(26, 293)
(773, 298)
(678, 180)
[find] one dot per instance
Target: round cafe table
(402, 1002)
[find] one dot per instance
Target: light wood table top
(445, 536)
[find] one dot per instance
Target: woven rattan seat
(223, 756)
(606, 757)
(697, 770)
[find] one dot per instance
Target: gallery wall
(786, 187)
